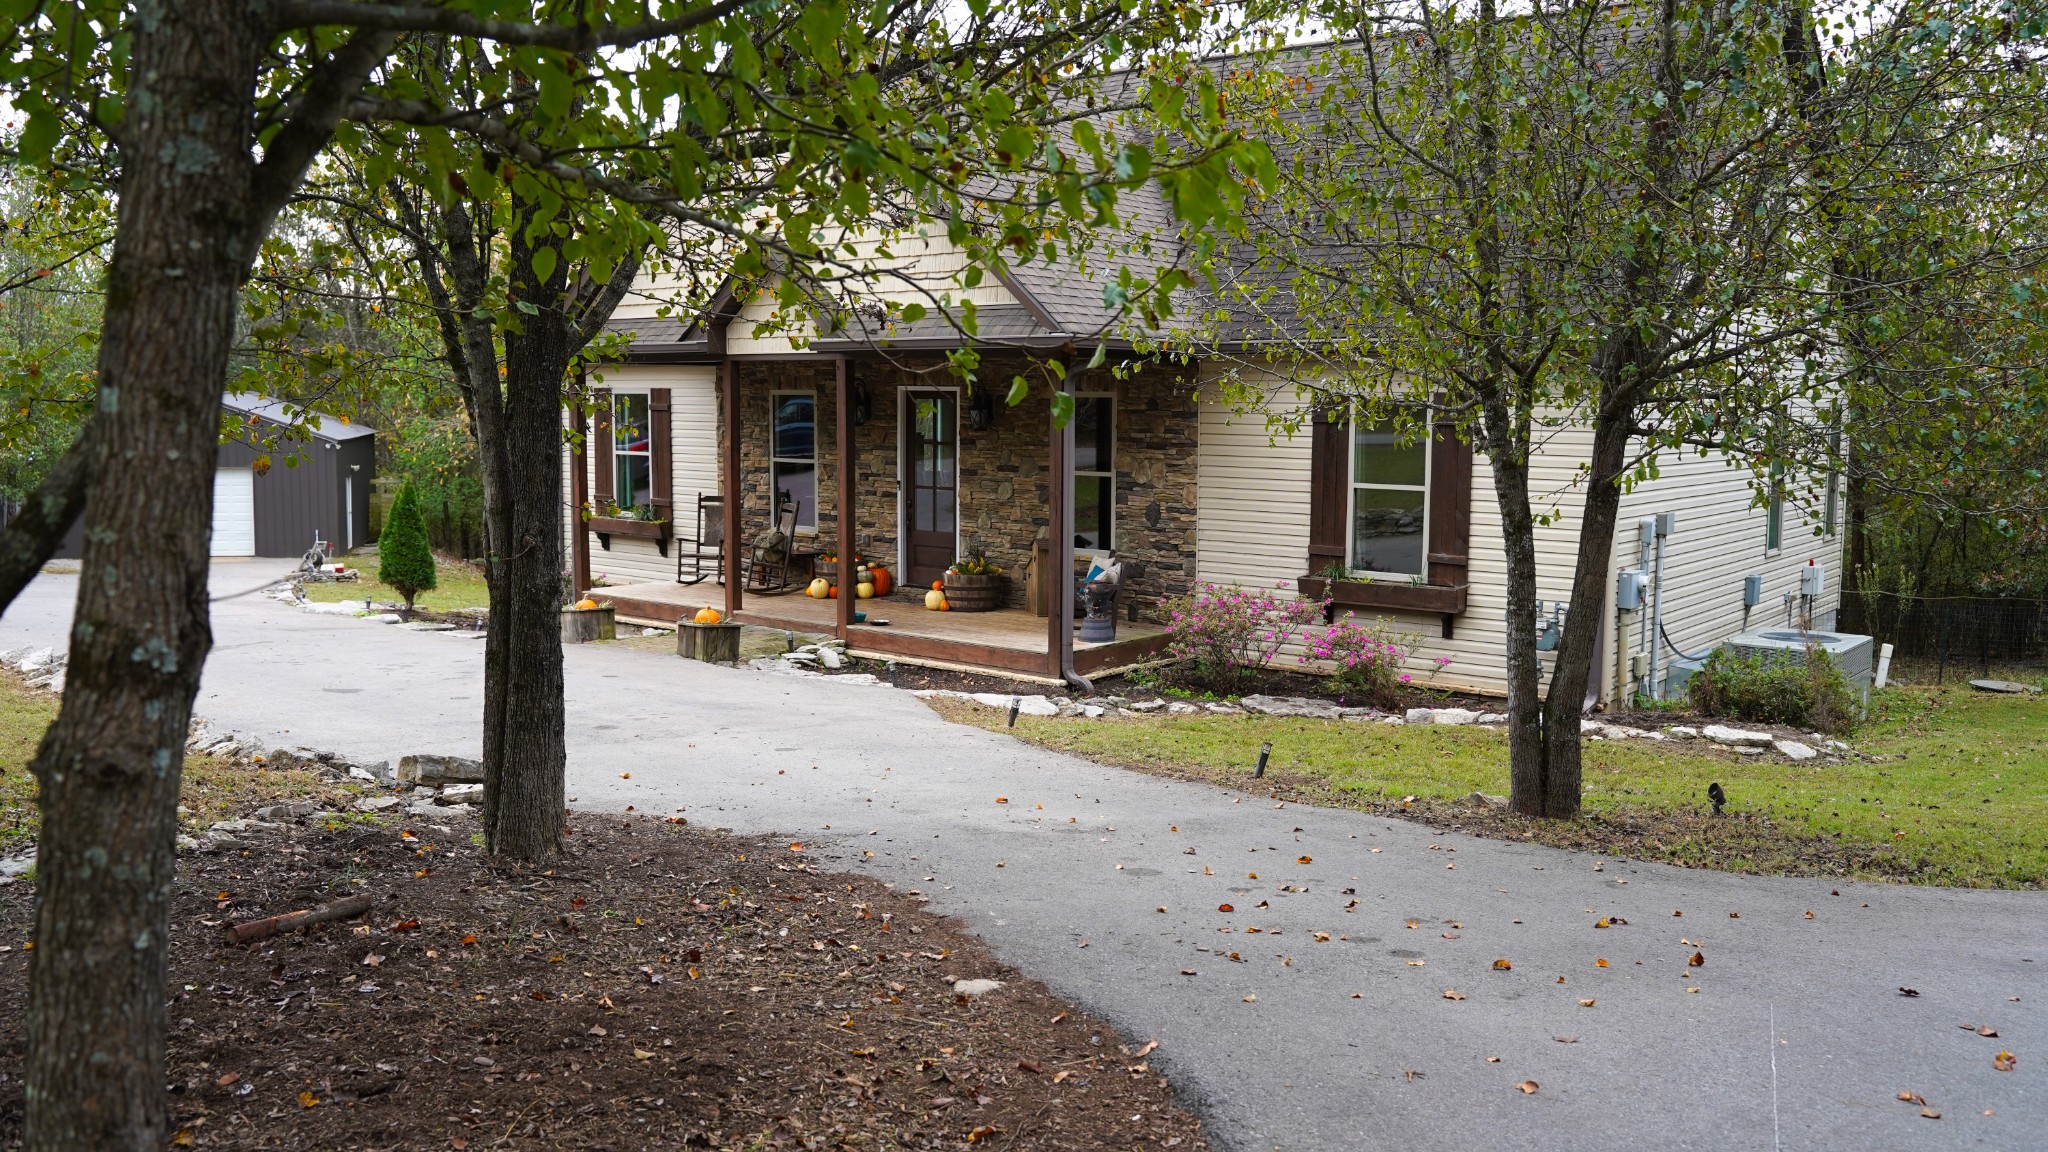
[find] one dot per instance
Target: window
(1095, 472)
(632, 451)
(1774, 512)
(1389, 505)
(794, 453)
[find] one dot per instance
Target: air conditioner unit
(1854, 655)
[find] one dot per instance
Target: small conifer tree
(404, 560)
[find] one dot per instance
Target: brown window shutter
(1329, 473)
(1450, 506)
(662, 456)
(601, 493)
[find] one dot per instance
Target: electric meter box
(1752, 591)
(1813, 580)
(1628, 590)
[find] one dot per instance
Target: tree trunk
(110, 767)
(1526, 759)
(1574, 663)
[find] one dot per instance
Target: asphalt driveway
(1107, 884)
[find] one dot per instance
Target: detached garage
(262, 508)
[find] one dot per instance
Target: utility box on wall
(1628, 590)
(1752, 591)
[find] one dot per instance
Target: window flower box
(607, 527)
(1388, 595)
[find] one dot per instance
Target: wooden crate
(711, 643)
(582, 625)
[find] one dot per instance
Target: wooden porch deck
(1009, 641)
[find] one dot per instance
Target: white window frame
(1351, 487)
(1774, 512)
(1108, 477)
(621, 454)
(774, 461)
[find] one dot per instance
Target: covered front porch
(1007, 641)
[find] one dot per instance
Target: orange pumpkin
(945, 605)
(938, 585)
(833, 594)
(880, 576)
(706, 615)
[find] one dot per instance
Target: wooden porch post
(843, 466)
(1059, 589)
(729, 399)
(579, 495)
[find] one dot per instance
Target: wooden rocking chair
(702, 557)
(771, 563)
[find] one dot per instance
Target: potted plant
(975, 585)
(644, 523)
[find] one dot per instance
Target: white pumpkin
(865, 590)
(934, 599)
(819, 588)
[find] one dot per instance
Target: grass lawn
(457, 586)
(1947, 785)
(213, 789)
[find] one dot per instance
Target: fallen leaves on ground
(1453, 994)
(2005, 1061)
(1528, 1087)
(1502, 965)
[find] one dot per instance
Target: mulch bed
(661, 987)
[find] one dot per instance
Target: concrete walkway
(1106, 885)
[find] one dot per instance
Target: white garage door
(234, 512)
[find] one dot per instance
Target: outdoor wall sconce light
(981, 409)
(863, 405)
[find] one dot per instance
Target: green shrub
(404, 559)
(1797, 690)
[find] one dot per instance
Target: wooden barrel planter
(976, 593)
(582, 625)
(711, 643)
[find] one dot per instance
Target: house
(1179, 486)
(885, 454)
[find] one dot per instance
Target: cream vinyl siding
(693, 468)
(1252, 529)
(1720, 539)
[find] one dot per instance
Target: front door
(931, 512)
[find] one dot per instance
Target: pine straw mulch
(662, 987)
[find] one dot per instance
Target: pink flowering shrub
(1226, 632)
(1367, 657)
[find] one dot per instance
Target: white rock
(187, 843)
(1291, 706)
(1182, 708)
(1750, 750)
(1683, 732)
(1453, 716)
(831, 658)
(1492, 718)
(1794, 750)
(17, 865)
(1147, 705)
(425, 808)
(1026, 705)
(377, 803)
(1420, 715)
(1482, 800)
(436, 770)
(1392, 720)
(461, 794)
(862, 678)
(801, 657)
(1092, 711)
(34, 660)
(385, 618)
(1837, 746)
(291, 811)
(975, 987)
(1738, 737)
(1223, 709)
(358, 772)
